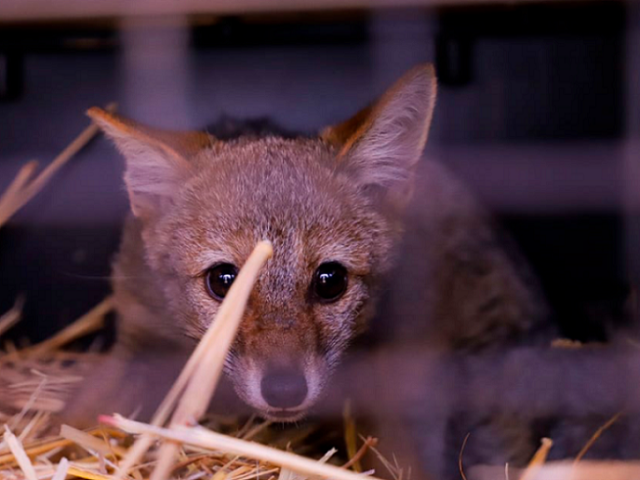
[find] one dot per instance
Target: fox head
(329, 205)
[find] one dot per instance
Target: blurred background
(538, 112)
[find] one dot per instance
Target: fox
(338, 207)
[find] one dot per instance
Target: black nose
(284, 388)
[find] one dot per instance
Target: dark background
(534, 108)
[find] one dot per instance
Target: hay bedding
(35, 381)
(33, 390)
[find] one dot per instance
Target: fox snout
(279, 387)
(284, 388)
(277, 369)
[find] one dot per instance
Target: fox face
(330, 207)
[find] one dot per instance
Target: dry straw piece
(565, 470)
(206, 439)
(24, 186)
(538, 460)
(91, 322)
(20, 455)
(13, 316)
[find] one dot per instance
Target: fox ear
(157, 160)
(381, 144)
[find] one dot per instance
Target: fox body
(332, 207)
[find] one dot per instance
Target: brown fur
(197, 201)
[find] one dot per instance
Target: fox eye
(219, 278)
(329, 281)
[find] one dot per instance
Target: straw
(203, 438)
(24, 187)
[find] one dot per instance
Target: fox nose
(284, 388)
